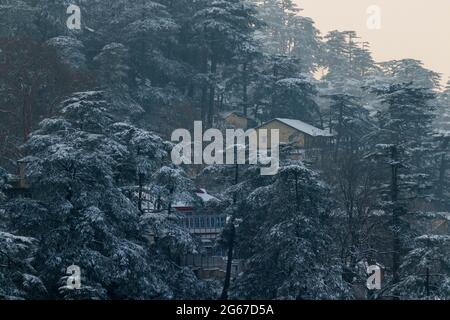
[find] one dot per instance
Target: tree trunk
(232, 236)
(26, 117)
(212, 93)
(442, 170)
(339, 133)
(141, 187)
(244, 87)
(204, 67)
(395, 217)
(226, 284)
(297, 196)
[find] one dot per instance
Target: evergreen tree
(344, 57)
(425, 270)
(17, 276)
(285, 223)
(410, 70)
(285, 32)
(294, 98)
(222, 30)
(349, 120)
(404, 141)
(18, 20)
(79, 214)
(442, 150)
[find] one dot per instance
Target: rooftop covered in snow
(303, 127)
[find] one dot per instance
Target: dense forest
(86, 115)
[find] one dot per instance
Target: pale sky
(418, 29)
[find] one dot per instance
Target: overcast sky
(418, 29)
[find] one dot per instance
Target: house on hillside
(307, 141)
(202, 221)
(206, 225)
(18, 183)
(432, 223)
(234, 120)
(205, 222)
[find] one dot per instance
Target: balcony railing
(204, 223)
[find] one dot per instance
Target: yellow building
(297, 133)
(235, 120)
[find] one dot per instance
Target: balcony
(204, 224)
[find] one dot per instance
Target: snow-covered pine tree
(443, 114)
(113, 73)
(18, 19)
(170, 185)
(404, 145)
(276, 36)
(306, 45)
(80, 215)
(425, 271)
(70, 51)
(149, 32)
(349, 120)
(284, 235)
(442, 150)
(410, 70)
(271, 70)
(281, 90)
(17, 276)
(222, 30)
(147, 152)
(336, 55)
(294, 98)
(346, 58)
(350, 177)
(32, 79)
(285, 32)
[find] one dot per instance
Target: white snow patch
(305, 127)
